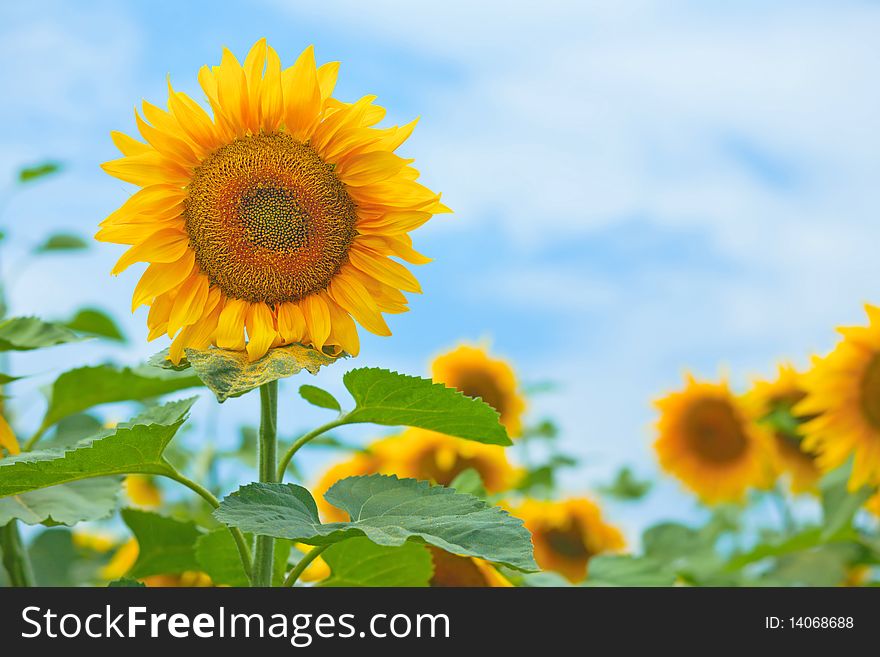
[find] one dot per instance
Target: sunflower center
(714, 432)
(443, 470)
(871, 391)
(452, 570)
(567, 543)
(476, 383)
(268, 219)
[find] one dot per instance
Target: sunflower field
(271, 227)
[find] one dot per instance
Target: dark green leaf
(126, 583)
(218, 556)
(85, 387)
(34, 172)
(392, 399)
(62, 242)
(360, 562)
(165, 546)
(26, 333)
(66, 504)
(6, 378)
(624, 570)
(96, 322)
(626, 487)
(319, 397)
(135, 447)
(387, 510)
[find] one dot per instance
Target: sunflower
(453, 570)
(277, 215)
(706, 440)
(567, 534)
(475, 373)
(843, 392)
(143, 491)
(771, 403)
(438, 458)
(8, 441)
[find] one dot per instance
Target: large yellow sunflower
(706, 440)
(772, 403)
(843, 392)
(567, 534)
(475, 373)
(276, 215)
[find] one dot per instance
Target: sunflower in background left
(567, 534)
(275, 219)
(475, 373)
(705, 439)
(771, 403)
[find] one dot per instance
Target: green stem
(293, 449)
(244, 552)
(15, 556)
(268, 453)
(300, 567)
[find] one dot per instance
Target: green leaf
(218, 556)
(6, 378)
(66, 504)
(126, 583)
(62, 242)
(470, 482)
(165, 546)
(72, 429)
(387, 510)
(54, 559)
(626, 487)
(230, 374)
(839, 505)
(95, 322)
(85, 387)
(319, 397)
(392, 399)
(360, 562)
(624, 570)
(134, 447)
(31, 173)
(26, 333)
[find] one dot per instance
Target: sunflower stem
(15, 557)
(268, 455)
(303, 563)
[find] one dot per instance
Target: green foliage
(62, 242)
(85, 387)
(626, 487)
(319, 397)
(392, 399)
(165, 546)
(470, 483)
(839, 505)
(96, 322)
(218, 556)
(624, 570)
(26, 333)
(360, 562)
(66, 504)
(38, 171)
(126, 583)
(134, 447)
(387, 510)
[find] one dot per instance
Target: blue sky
(640, 187)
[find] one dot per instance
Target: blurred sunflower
(706, 440)
(772, 403)
(142, 491)
(475, 373)
(843, 393)
(567, 534)
(420, 454)
(453, 570)
(125, 557)
(277, 216)
(8, 441)
(439, 458)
